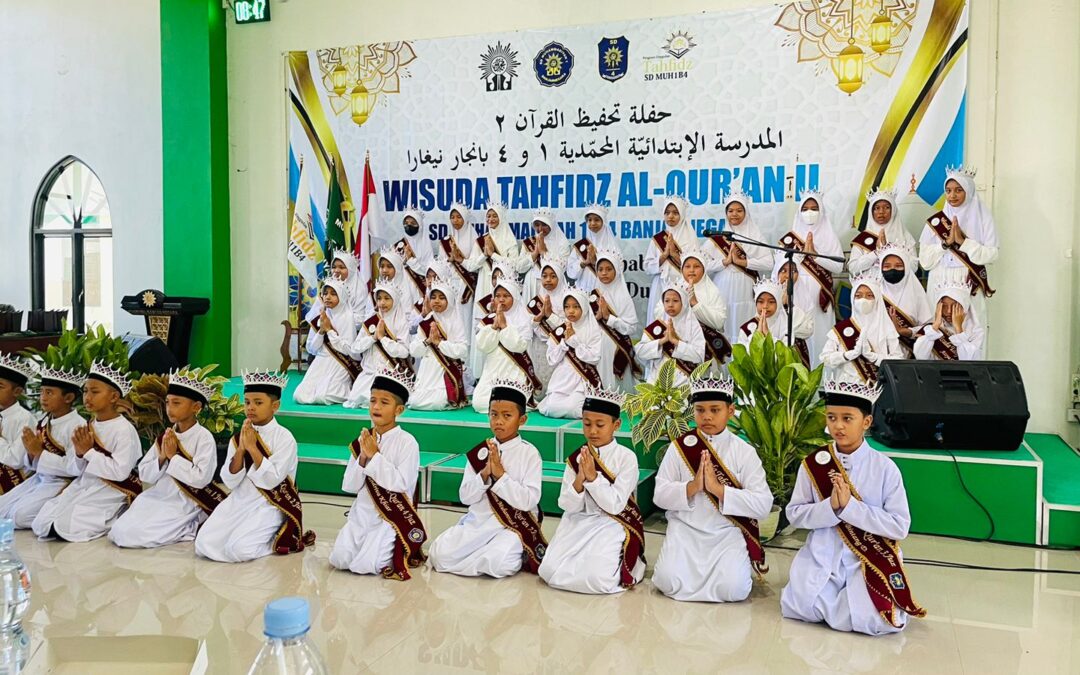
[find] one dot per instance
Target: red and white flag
(370, 215)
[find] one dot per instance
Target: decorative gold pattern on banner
(159, 326)
(378, 67)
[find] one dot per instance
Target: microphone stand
(789, 254)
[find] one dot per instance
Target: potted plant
(77, 352)
(145, 406)
(779, 413)
(662, 408)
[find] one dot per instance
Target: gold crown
(856, 389)
(399, 375)
(522, 386)
(73, 378)
(188, 380)
(113, 376)
(876, 195)
(15, 364)
(607, 395)
(267, 378)
(724, 385)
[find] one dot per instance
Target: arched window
(72, 246)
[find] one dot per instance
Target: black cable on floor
(960, 476)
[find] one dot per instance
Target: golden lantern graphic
(361, 103)
(850, 72)
(339, 77)
(355, 77)
(881, 32)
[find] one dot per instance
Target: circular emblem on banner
(559, 331)
(657, 330)
(553, 64)
(788, 240)
(483, 453)
(849, 331)
(416, 534)
(583, 247)
(690, 441)
(868, 240)
(822, 457)
(752, 326)
(533, 303)
(540, 551)
(594, 298)
(935, 221)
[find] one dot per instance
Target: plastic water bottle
(288, 651)
(14, 580)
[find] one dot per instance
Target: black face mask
(893, 276)
(412, 229)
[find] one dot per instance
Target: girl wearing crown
(738, 266)
(856, 347)
(454, 249)
(548, 241)
(708, 306)
(812, 232)
(663, 258)
(884, 227)
(498, 246)
(502, 339)
(598, 237)
(616, 315)
(771, 319)
(392, 273)
(381, 342)
(331, 375)
(955, 333)
(677, 336)
(440, 347)
(344, 265)
(905, 298)
(546, 308)
(573, 351)
(416, 246)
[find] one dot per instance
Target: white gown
(52, 473)
(566, 387)
(826, 579)
(736, 287)
(968, 344)
(586, 553)
(88, 507)
(162, 514)
(365, 545)
(479, 544)
(243, 526)
(372, 359)
(704, 556)
(429, 393)
(13, 419)
(327, 382)
(496, 363)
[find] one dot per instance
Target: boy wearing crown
(14, 420)
(599, 546)
(263, 513)
(108, 448)
(849, 572)
(500, 534)
(383, 533)
(713, 487)
(50, 452)
(180, 466)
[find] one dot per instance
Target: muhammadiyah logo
(499, 67)
(553, 64)
(614, 57)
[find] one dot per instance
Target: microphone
(713, 233)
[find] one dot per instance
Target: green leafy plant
(661, 408)
(77, 352)
(145, 405)
(779, 411)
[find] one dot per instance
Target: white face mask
(811, 217)
(863, 305)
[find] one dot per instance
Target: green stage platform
(1032, 493)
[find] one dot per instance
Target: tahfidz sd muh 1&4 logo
(672, 64)
(613, 58)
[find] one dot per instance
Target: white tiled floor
(980, 622)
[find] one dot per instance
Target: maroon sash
(448, 246)
(206, 498)
(536, 308)
(291, 537)
(130, 487)
(867, 371)
(453, 370)
(654, 331)
(691, 455)
(49, 444)
(10, 477)
(400, 513)
(797, 343)
(401, 364)
(485, 302)
(582, 248)
(522, 523)
(522, 360)
(819, 273)
(883, 571)
(867, 241)
(588, 371)
(494, 246)
(351, 365)
(978, 279)
(725, 245)
(901, 320)
(717, 346)
(624, 347)
(944, 349)
(661, 239)
(633, 523)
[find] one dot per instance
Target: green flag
(335, 233)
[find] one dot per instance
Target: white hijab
(974, 218)
(558, 265)
(778, 321)
(616, 294)
(518, 316)
(909, 294)
(465, 238)
(875, 326)
(605, 238)
(585, 329)
(806, 289)
(686, 325)
(705, 290)
(824, 236)
(684, 233)
(397, 319)
(406, 287)
(420, 237)
(747, 228)
(450, 320)
(895, 232)
(341, 315)
(505, 241)
(556, 241)
(962, 295)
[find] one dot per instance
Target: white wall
(84, 79)
(1021, 133)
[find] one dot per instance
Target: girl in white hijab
(546, 310)
(707, 305)
(382, 342)
(617, 317)
(498, 246)
(971, 232)
(440, 347)
(857, 346)
(675, 336)
(738, 269)
(455, 248)
(883, 227)
(577, 339)
(771, 319)
(812, 231)
(663, 257)
(392, 271)
(344, 266)
(503, 340)
(598, 236)
(905, 297)
(548, 241)
(955, 333)
(328, 380)
(417, 244)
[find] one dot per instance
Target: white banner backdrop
(626, 112)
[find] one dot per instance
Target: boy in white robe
(110, 447)
(14, 420)
(330, 377)
(713, 487)
(263, 513)
(383, 533)
(599, 546)
(500, 535)
(50, 452)
(180, 468)
(851, 497)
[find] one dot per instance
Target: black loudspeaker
(958, 405)
(148, 354)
